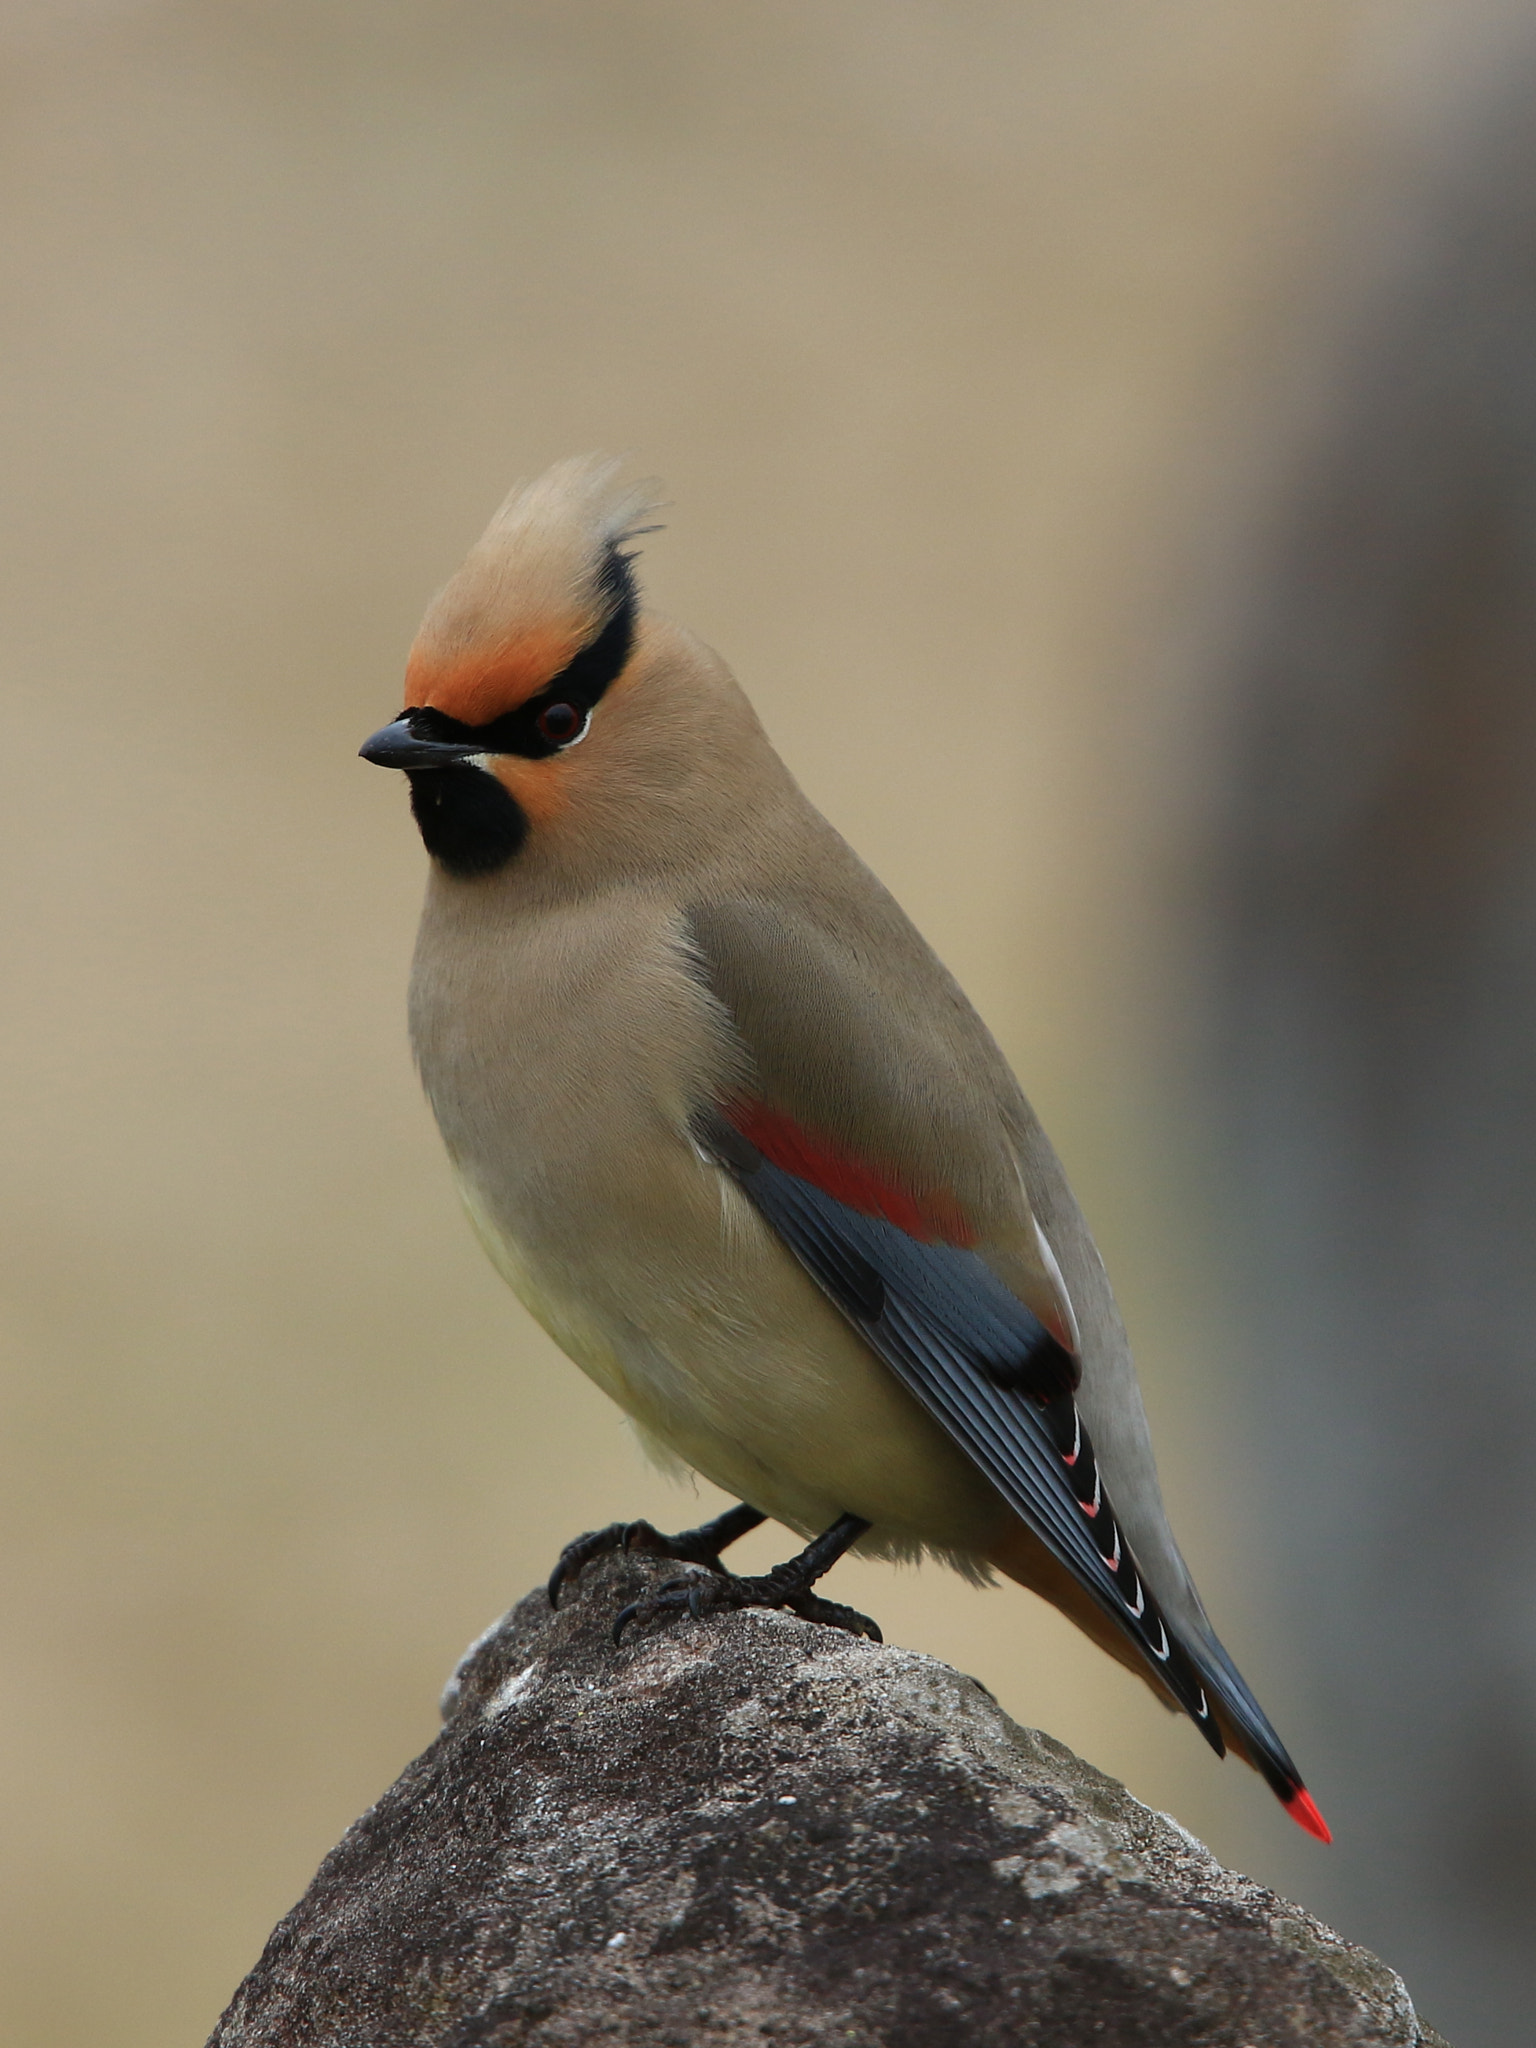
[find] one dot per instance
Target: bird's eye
(560, 724)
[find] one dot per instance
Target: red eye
(560, 724)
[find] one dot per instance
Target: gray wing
(849, 1092)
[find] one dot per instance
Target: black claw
(694, 1546)
(701, 1595)
(674, 1593)
(832, 1614)
(577, 1555)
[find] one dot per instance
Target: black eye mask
(469, 822)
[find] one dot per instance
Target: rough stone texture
(754, 1829)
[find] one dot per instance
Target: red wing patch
(784, 1144)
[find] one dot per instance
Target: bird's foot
(717, 1591)
(711, 1592)
(691, 1546)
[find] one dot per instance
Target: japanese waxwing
(739, 1142)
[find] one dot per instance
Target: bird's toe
(580, 1553)
(833, 1614)
(702, 1593)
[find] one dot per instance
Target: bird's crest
(539, 585)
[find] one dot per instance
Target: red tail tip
(1301, 1809)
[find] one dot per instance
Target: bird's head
(511, 663)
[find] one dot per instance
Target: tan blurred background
(966, 338)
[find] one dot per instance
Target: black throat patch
(468, 822)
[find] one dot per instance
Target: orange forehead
(475, 686)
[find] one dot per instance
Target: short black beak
(396, 746)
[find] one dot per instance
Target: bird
(739, 1142)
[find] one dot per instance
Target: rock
(755, 1829)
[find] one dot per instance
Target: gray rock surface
(755, 1829)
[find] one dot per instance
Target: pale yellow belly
(720, 1348)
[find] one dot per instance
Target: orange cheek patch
(540, 788)
(477, 687)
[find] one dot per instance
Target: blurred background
(1103, 440)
